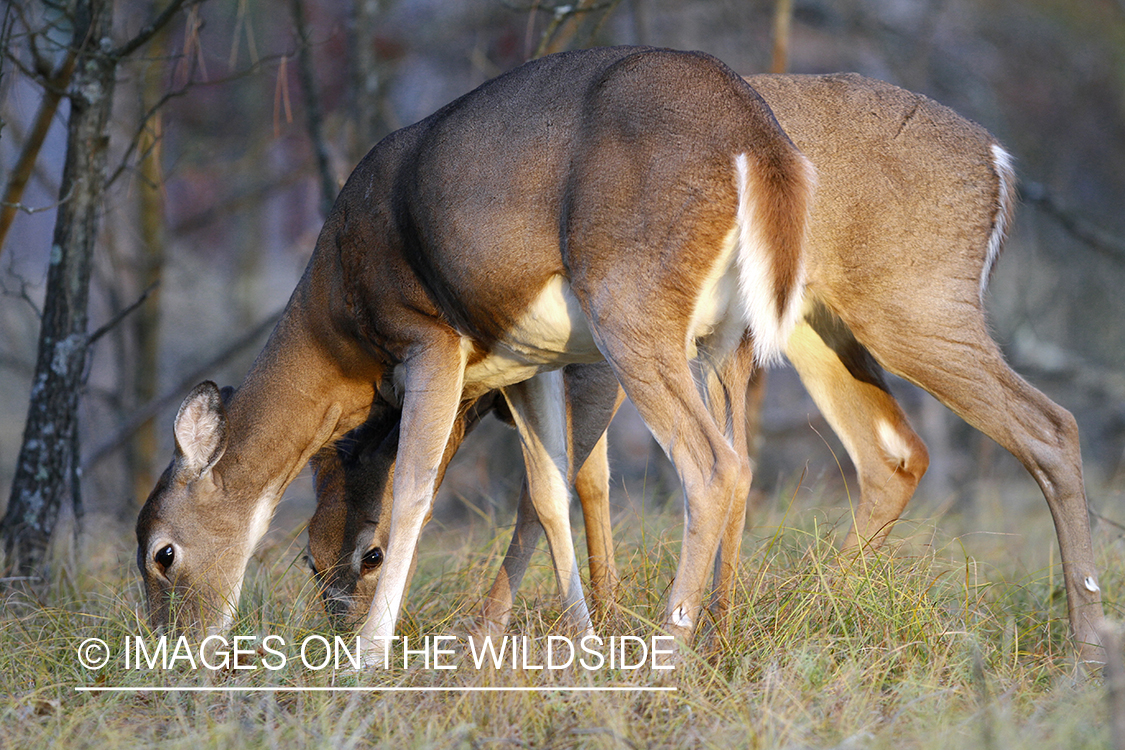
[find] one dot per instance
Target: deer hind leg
(539, 414)
(711, 471)
(755, 399)
(729, 392)
(969, 375)
(592, 487)
(848, 387)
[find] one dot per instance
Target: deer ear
(201, 429)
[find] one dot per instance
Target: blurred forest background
(234, 124)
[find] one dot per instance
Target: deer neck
(299, 396)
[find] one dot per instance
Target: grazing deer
(635, 205)
(349, 529)
(911, 211)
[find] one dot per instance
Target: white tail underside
(1005, 199)
(757, 290)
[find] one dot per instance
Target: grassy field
(945, 640)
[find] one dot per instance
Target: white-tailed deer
(628, 204)
(911, 211)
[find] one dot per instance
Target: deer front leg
(592, 398)
(888, 455)
(497, 608)
(539, 414)
(433, 380)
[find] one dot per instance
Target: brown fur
(908, 199)
(603, 167)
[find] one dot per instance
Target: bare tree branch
(124, 165)
(234, 203)
(141, 128)
(148, 32)
(565, 17)
(32, 210)
(115, 321)
(1109, 245)
(22, 293)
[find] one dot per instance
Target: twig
(563, 13)
(558, 9)
(148, 32)
(22, 293)
(141, 127)
(232, 204)
(1103, 519)
(54, 86)
(1030, 353)
(782, 19)
(124, 166)
(116, 319)
(30, 210)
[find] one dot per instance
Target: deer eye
(373, 558)
(165, 556)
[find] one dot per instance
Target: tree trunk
(47, 472)
(150, 272)
(21, 172)
(369, 76)
(313, 118)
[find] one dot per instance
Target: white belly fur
(553, 332)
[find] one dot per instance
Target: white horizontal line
(285, 689)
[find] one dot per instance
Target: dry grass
(922, 646)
